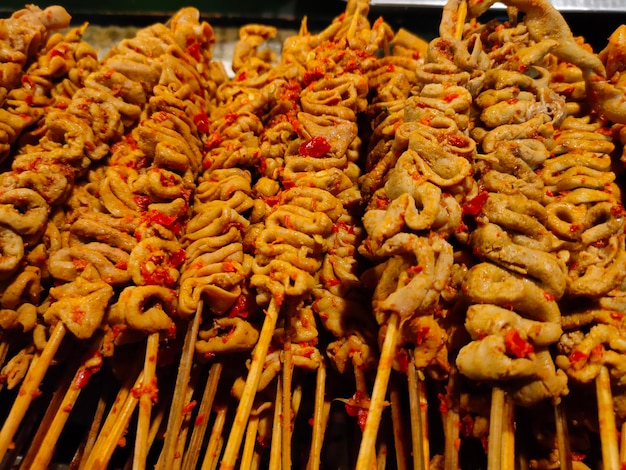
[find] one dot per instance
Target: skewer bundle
(511, 237)
(216, 270)
(164, 153)
(513, 128)
(409, 222)
(550, 196)
(579, 192)
(49, 82)
(305, 248)
(104, 244)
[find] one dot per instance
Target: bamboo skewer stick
(287, 379)
(157, 422)
(422, 396)
(452, 422)
(202, 418)
(361, 386)
(250, 388)
(461, 16)
(30, 385)
(59, 410)
(494, 457)
(451, 449)
(562, 438)
(420, 456)
(145, 402)
(368, 442)
(53, 408)
(381, 456)
(276, 446)
(184, 429)
(321, 410)
(397, 418)
(256, 460)
(606, 416)
(155, 426)
(82, 454)
(175, 418)
(119, 419)
(622, 454)
(296, 401)
(508, 434)
(249, 442)
(214, 445)
(4, 351)
(116, 409)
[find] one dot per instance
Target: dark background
(595, 26)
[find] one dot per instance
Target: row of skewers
(243, 264)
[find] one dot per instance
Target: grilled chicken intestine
(586, 212)
(123, 249)
(417, 208)
(325, 165)
(28, 195)
(516, 112)
(41, 71)
(216, 267)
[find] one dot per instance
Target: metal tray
(561, 5)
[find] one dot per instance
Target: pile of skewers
(270, 270)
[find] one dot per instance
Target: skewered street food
(101, 111)
(365, 224)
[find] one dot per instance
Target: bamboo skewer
(202, 418)
(494, 457)
(249, 442)
(461, 16)
(30, 385)
(296, 401)
(606, 416)
(175, 418)
(116, 409)
(451, 448)
(84, 451)
(215, 440)
(256, 460)
(453, 422)
(115, 425)
(368, 442)
(187, 423)
(562, 438)
(276, 445)
(59, 410)
(155, 426)
(423, 402)
(4, 351)
(145, 402)
(418, 436)
(250, 388)
(397, 418)
(381, 456)
(184, 430)
(287, 379)
(321, 410)
(52, 410)
(622, 454)
(508, 434)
